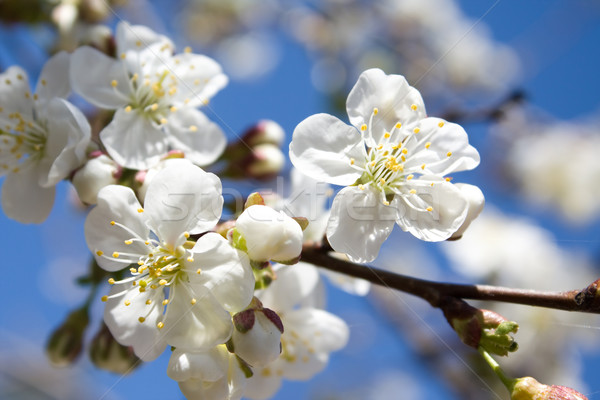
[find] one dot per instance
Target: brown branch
(586, 300)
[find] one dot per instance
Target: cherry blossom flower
(181, 293)
(156, 95)
(394, 163)
(43, 138)
(310, 333)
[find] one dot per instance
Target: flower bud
(266, 161)
(66, 342)
(257, 334)
(107, 354)
(97, 173)
(94, 11)
(530, 389)
(265, 131)
(476, 201)
(99, 37)
(266, 234)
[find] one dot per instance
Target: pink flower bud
(530, 389)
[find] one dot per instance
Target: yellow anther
(193, 301)
(413, 191)
(143, 283)
(99, 253)
(8, 82)
(163, 121)
(127, 302)
(173, 109)
(104, 298)
(416, 130)
(193, 128)
(448, 179)
(138, 43)
(386, 203)
(382, 181)
(165, 302)
(188, 49)
(404, 151)
(408, 178)
(380, 146)
(172, 91)
(35, 96)
(140, 210)
(431, 184)
(162, 282)
(449, 153)
(429, 208)
(372, 163)
(111, 281)
(160, 325)
(199, 271)
(427, 145)
(141, 319)
(43, 81)
(148, 302)
(413, 107)
(422, 166)
(115, 254)
(112, 223)
(140, 263)
(135, 77)
(352, 161)
(27, 95)
(205, 102)
(128, 242)
(20, 77)
(363, 127)
(147, 242)
(133, 271)
(387, 135)
(441, 124)
(123, 55)
(403, 158)
(375, 111)
(154, 107)
(153, 286)
(398, 125)
(361, 187)
(196, 81)
(192, 66)
(128, 109)
(186, 235)
(113, 83)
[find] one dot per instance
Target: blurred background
(521, 77)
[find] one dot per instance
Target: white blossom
(257, 335)
(155, 95)
(181, 293)
(43, 138)
(97, 173)
(394, 163)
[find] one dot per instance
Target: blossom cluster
(227, 295)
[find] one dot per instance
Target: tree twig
(586, 300)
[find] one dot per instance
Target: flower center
(21, 144)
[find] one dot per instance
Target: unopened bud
(64, 16)
(107, 354)
(97, 173)
(267, 160)
(530, 389)
(94, 11)
(257, 334)
(66, 342)
(253, 200)
(475, 200)
(265, 131)
(99, 37)
(266, 234)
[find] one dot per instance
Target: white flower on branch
(43, 138)
(394, 163)
(156, 95)
(181, 293)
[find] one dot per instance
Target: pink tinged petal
(323, 148)
(24, 200)
(294, 286)
(101, 80)
(137, 38)
(68, 137)
(443, 148)
(195, 319)
(198, 79)
(395, 100)
(209, 366)
(54, 78)
(435, 212)
(15, 95)
(183, 198)
(360, 223)
(201, 140)
(133, 140)
(225, 271)
(124, 307)
(107, 241)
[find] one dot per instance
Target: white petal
(201, 140)
(133, 140)
(393, 97)
(448, 148)
(124, 323)
(24, 200)
(14, 86)
(225, 271)
(322, 147)
(195, 319)
(210, 365)
(263, 384)
(92, 75)
(359, 223)
(449, 208)
(137, 38)
(199, 78)
(293, 286)
(54, 78)
(116, 203)
(68, 137)
(476, 200)
(183, 198)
